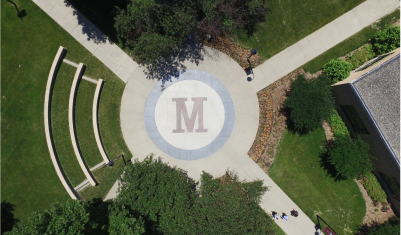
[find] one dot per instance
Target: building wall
(384, 163)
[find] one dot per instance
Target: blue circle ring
(217, 143)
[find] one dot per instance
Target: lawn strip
(84, 126)
(60, 125)
(354, 42)
(288, 22)
(298, 172)
(105, 176)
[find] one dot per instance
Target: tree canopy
(155, 198)
(154, 29)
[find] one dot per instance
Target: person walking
(284, 216)
(294, 213)
(275, 215)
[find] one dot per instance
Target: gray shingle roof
(380, 90)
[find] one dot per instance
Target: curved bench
(71, 121)
(49, 136)
(95, 109)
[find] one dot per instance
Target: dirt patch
(327, 130)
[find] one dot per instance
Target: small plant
(376, 210)
(386, 40)
(337, 70)
(361, 56)
(337, 125)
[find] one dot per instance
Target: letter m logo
(197, 110)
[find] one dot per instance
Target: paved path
(321, 40)
(233, 154)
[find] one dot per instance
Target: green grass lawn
(355, 41)
(297, 171)
(60, 125)
(28, 178)
(289, 21)
(84, 125)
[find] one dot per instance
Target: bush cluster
(310, 102)
(337, 70)
(374, 188)
(386, 40)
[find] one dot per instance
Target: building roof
(380, 91)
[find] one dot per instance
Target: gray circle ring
(217, 143)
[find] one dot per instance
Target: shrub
(350, 157)
(386, 40)
(337, 125)
(392, 226)
(374, 188)
(337, 70)
(361, 56)
(310, 102)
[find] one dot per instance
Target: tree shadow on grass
(7, 217)
(97, 18)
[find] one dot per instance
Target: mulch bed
(265, 125)
(237, 53)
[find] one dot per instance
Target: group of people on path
(284, 216)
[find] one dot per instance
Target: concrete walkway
(233, 154)
(89, 36)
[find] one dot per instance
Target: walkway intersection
(207, 118)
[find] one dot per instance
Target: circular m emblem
(189, 117)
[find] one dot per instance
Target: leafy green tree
(229, 206)
(155, 28)
(387, 40)
(69, 218)
(123, 222)
(310, 102)
(350, 157)
(163, 196)
(337, 70)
